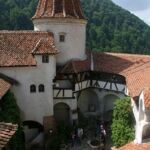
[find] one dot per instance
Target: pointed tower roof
(59, 9)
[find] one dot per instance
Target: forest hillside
(110, 28)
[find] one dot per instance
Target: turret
(66, 20)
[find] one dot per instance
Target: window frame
(45, 58)
(62, 37)
(41, 88)
(32, 88)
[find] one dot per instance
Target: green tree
(10, 113)
(123, 122)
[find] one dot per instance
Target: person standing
(103, 134)
(72, 139)
(80, 135)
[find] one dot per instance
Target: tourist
(72, 139)
(103, 134)
(79, 135)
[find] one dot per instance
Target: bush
(10, 113)
(123, 122)
(61, 138)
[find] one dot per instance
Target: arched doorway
(108, 102)
(88, 103)
(33, 132)
(146, 132)
(62, 113)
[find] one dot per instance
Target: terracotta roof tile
(135, 68)
(59, 9)
(132, 146)
(76, 66)
(45, 46)
(147, 97)
(16, 47)
(4, 87)
(7, 130)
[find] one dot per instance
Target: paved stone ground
(84, 146)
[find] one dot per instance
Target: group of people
(76, 136)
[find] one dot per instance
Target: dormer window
(62, 37)
(45, 58)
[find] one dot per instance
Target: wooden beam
(58, 93)
(110, 85)
(105, 85)
(116, 86)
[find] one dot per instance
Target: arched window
(32, 88)
(41, 88)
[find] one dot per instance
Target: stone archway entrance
(33, 131)
(88, 103)
(108, 102)
(62, 113)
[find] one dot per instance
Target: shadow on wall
(108, 102)
(33, 133)
(62, 113)
(88, 102)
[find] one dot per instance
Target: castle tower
(66, 20)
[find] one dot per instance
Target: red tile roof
(16, 47)
(45, 46)
(59, 9)
(147, 98)
(132, 146)
(4, 87)
(76, 66)
(135, 68)
(7, 130)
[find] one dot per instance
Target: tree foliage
(110, 28)
(10, 113)
(123, 122)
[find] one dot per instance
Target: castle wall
(75, 37)
(33, 106)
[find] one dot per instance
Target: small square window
(45, 58)
(62, 38)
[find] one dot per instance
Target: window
(45, 58)
(62, 38)
(32, 88)
(41, 88)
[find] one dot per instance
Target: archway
(108, 102)
(33, 131)
(62, 113)
(88, 103)
(146, 132)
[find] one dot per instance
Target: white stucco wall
(33, 106)
(75, 36)
(142, 120)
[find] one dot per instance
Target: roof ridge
(36, 46)
(127, 54)
(24, 31)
